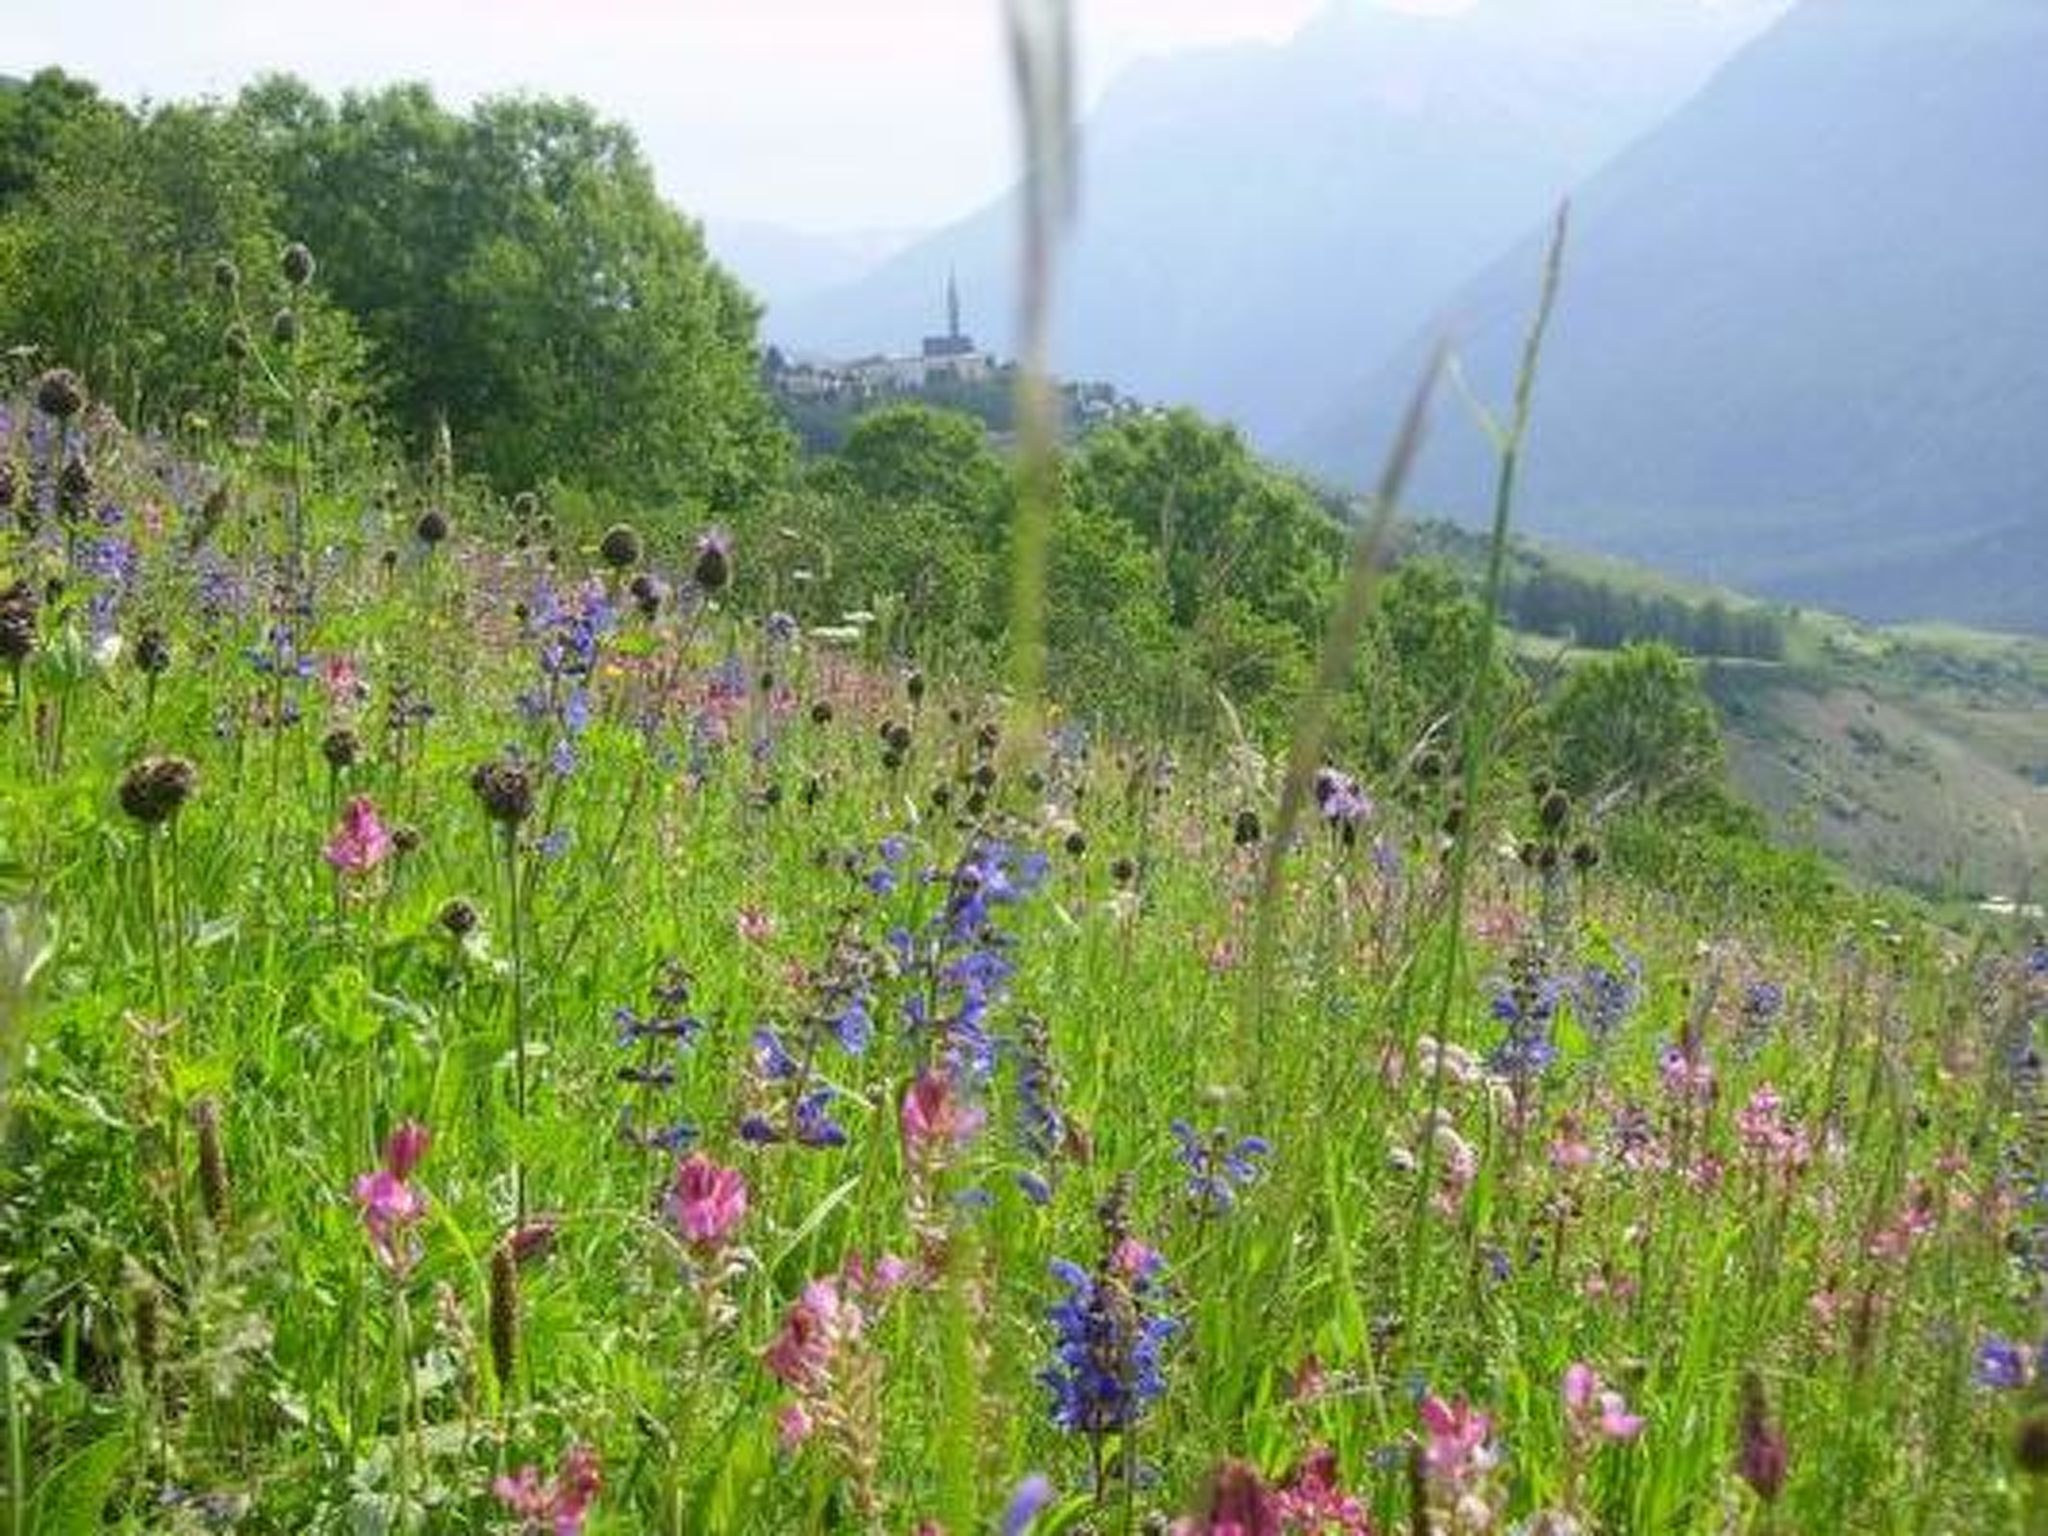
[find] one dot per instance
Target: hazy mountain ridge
(1351, 211)
(1798, 347)
(785, 267)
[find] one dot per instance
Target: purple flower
(2002, 1364)
(1031, 1496)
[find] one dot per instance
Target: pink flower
(755, 925)
(1239, 1504)
(1313, 1499)
(1455, 1445)
(706, 1202)
(933, 1117)
(793, 1426)
(344, 684)
(817, 1323)
(560, 1506)
(1136, 1260)
(405, 1146)
(390, 1206)
(1686, 1075)
(1570, 1150)
(1597, 1410)
(532, 1241)
(886, 1274)
(361, 842)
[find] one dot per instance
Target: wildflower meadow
(522, 1020)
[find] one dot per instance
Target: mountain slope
(1799, 344)
(785, 267)
(1260, 223)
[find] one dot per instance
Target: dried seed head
(342, 748)
(649, 593)
(59, 394)
(152, 652)
(154, 789)
(227, 277)
(714, 561)
(19, 607)
(458, 918)
(432, 526)
(1556, 810)
(620, 546)
(1245, 830)
(74, 490)
(504, 1330)
(234, 341)
(297, 264)
(213, 1163)
(2030, 1444)
(505, 787)
(284, 328)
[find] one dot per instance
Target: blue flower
(815, 1126)
(853, 1027)
(1109, 1344)
(1605, 998)
(771, 1057)
(1527, 1007)
(1218, 1167)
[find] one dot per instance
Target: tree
(1637, 722)
(33, 119)
(914, 453)
(109, 263)
(523, 282)
(1418, 665)
(1225, 524)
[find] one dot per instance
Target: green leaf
(74, 1497)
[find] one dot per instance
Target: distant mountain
(1261, 223)
(785, 267)
(1800, 347)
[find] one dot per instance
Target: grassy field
(498, 1038)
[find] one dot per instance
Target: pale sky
(819, 115)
